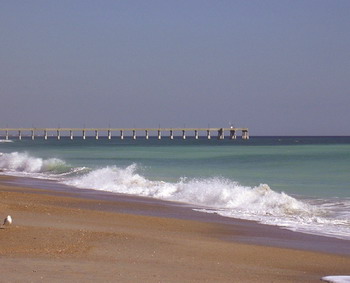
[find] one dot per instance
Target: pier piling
(221, 134)
(245, 135)
(233, 134)
(6, 133)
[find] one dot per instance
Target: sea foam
(337, 279)
(3, 141)
(211, 195)
(16, 163)
(214, 192)
(221, 196)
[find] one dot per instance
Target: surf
(224, 197)
(220, 195)
(23, 164)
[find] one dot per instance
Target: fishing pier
(83, 133)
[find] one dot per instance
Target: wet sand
(75, 237)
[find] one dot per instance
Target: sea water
(298, 183)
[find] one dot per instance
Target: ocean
(296, 183)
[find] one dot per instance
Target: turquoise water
(295, 165)
(222, 176)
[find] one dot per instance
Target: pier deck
(108, 132)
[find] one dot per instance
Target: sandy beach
(60, 236)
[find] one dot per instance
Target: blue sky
(277, 67)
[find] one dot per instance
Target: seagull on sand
(7, 221)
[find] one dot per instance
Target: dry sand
(57, 237)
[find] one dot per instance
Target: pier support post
(221, 134)
(196, 134)
(233, 134)
(245, 135)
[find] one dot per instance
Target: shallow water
(301, 183)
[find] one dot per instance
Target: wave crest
(22, 162)
(218, 193)
(212, 195)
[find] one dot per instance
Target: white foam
(119, 180)
(5, 141)
(216, 193)
(211, 195)
(224, 197)
(20, 164)
(337, 278)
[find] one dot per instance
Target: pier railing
(122, 132)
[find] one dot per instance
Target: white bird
(7, 221)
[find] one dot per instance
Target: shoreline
(254, 232)
(97, 235)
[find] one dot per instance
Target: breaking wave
(227, 198)
(211, 195)
(22, 164)
(216, 193)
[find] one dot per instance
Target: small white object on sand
(7, 221)
(337, 278)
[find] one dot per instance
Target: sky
(277, 67)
